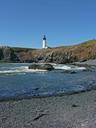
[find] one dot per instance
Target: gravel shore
(70, 111)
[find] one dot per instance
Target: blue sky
(65, 22)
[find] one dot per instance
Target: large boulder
(48, 67)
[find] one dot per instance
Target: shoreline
(72, 111)
(17, 98)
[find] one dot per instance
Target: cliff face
(68, 54)
(7, 54)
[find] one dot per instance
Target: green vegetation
(88, 43)
(64, 54)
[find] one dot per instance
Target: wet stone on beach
(74, 105)
(39, 116)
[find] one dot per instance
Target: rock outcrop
(48, 67)
(7, 54)
(62, 55)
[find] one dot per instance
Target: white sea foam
(21, 69)
(68, 67)
(24, 69)
(80, 68)
(60, 66)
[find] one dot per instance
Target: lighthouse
(44, 42)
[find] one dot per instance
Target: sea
(16, 80)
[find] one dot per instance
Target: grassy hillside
(66, 54)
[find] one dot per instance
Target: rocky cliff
(66, 54)
(7, 54)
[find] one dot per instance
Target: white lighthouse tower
(44, 42)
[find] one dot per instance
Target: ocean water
(17, 80)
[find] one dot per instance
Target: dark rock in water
(48, 67)
(73, 72)
(36, 89)
(70, 72)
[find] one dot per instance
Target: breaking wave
(16, 80)
(67, 67)
(24, 69)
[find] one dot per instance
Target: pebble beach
(69, 111)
